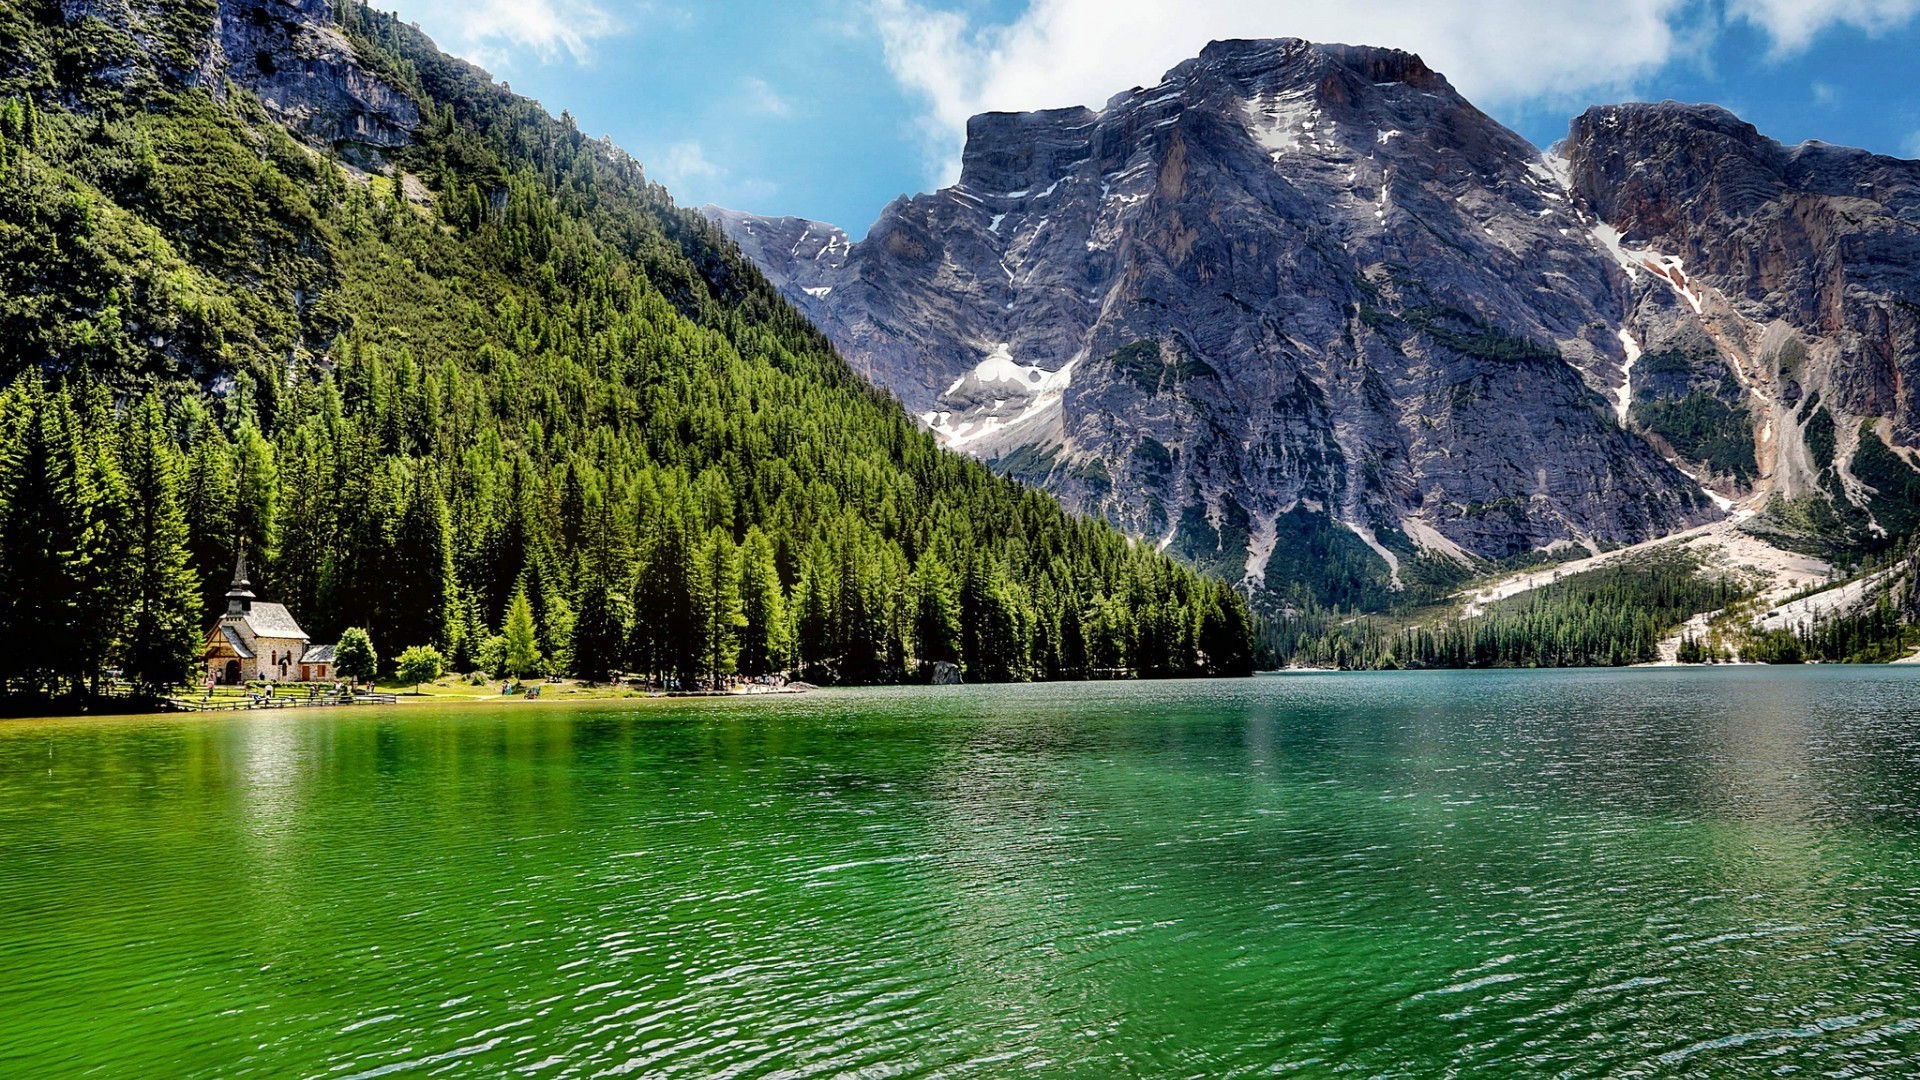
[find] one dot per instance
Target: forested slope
(431, 357)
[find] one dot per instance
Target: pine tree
(599, 623)
(997, 637)
(602, 612)
(209, 501)
(716, 605)
(41, 532)
(421, 566)
(160, 593)
(666, 632)
(764, 629)
(99, 561)
(256, 495)
(523, 656)
(936, 628)
(815, 597)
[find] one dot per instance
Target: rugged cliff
(1789, 363)
(1300, 313)
(1304, 315)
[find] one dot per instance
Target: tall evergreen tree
(160, 593)
(764, 629)
(209, 500)
(99, 563)
(666, 627)
(936, 596)
(256, 496)
(716, 605)
(43, 536)
(523, 656)
(421, 566)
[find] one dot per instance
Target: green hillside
(493, 362)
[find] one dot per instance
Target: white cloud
(695, 178)
(1497, 52)
(1793, 24)
(686, 162)
(763, 99)
(491, 32)
(1912, 147)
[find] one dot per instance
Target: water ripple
(1582, 874)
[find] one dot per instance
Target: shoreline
(402, 699)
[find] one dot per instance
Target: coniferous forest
(1610, 617)
(488, 380)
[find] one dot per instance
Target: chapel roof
(234, 639)
(272, 621)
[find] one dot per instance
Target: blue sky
(831, 108)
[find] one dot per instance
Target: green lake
(1577, 873)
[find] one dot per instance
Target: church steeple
(240, 593)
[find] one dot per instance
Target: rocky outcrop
(1802, 265)
(1298, 312)
(290, 54)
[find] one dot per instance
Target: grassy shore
(453, 688)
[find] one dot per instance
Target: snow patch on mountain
(985, 406)
(1278, 121)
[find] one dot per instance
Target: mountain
(1304, 316)
(1777, 303)
(280, 274)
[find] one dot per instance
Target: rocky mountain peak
(1636, 165)
(1303, 314)
(1013, 154)
(1020, 152)
(1267, 62)
(1260, 309)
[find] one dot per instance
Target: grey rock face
(1299, 312)
(289, 53)
(796, 255)
(1805, 265)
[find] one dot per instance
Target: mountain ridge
(1403, 280)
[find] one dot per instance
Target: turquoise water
(1582, 874)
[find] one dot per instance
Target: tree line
(1611, 617)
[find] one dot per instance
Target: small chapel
(261, 641)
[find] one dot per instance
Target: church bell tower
(240, 593)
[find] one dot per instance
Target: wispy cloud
(694, 177)
(1911, 148)
(1526, 53)
(686, 161)
(763, 99)
(494, 33)
(1793, 24)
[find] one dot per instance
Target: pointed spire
(240, 593)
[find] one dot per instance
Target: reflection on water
(1589, 873)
